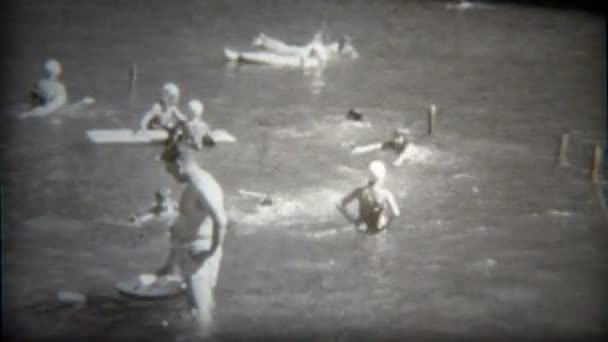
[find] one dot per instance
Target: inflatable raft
(270, 58)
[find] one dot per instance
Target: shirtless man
(164, 114)
(398, 144)
(49, 94)
(198, 232)
(375, 201)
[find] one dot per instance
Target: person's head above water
(345, 44)
(52, 68)
(377, 172)
(400, 135)
(178, 160)
(170, 93)
(163, 194)
(197, 108)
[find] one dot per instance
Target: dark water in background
(494, 240)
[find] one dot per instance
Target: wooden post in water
(597, 164)
(432, 118)
(563, 149)
(132, 78)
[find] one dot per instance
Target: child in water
(197, 131)
(164, 207)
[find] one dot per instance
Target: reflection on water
(317, 77)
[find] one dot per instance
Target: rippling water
(479, 250)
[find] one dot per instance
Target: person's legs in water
(200, 294)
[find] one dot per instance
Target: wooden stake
(432, 118)
(597, 164)
(563, 148)
(132, 77)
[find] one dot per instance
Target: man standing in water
(198, 233)
(374, 199)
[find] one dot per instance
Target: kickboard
(134, 287)
(128, 136)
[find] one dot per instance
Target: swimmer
(164, 206)
(377, 204)
(198, 233)
(197, 131)
(398, 143)
(49, 94)
(342, 47)
(164, 114)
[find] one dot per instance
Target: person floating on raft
(312, 60)
(398, 143)
(342, 47)
(164, 207)
(377, 205)
(315, 54)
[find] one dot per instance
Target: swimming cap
(377, 171)
(171, 89)
(196, 107)
(52, 67)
